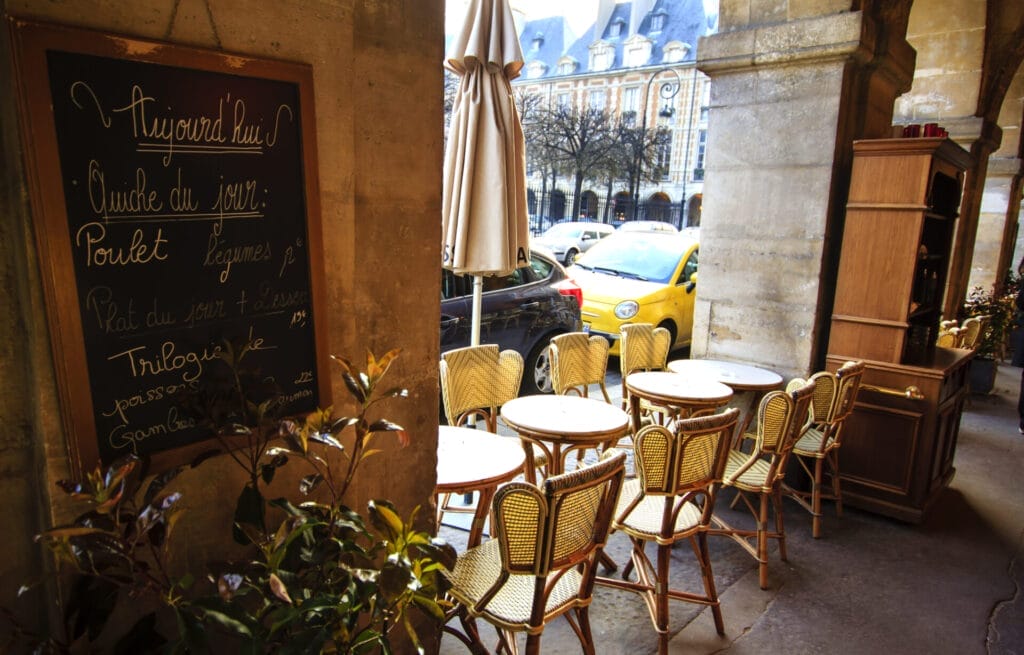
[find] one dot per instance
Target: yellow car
(639, 277)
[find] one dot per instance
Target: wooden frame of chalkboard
(175, 207)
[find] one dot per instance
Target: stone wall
(377, 76)
(787, 98)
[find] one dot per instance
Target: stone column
(982, 141)
(997, 224)
(787, 100)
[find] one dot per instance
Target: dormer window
(636, 51)
(536, 69)
(615, 29)
(658, 21)
(675, 52)
(566, 66)
(538, 41)
(602, 56)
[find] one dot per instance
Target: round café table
(682, 395)
(558, 425)
(750, 382)
(470, 461)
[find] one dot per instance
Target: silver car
(566, 240)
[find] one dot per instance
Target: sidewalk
(870, 585)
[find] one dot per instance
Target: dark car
(520, 311)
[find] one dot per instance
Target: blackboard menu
(187, 222)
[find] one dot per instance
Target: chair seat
(754, 478)
(478, 569)
(809, 445)
(644, 522)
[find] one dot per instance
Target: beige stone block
(837, 35)
(726, 50)
(767, 11)
(778, 338)
(948, 52)
(821, 82)
(797, 9)
(935, 16)
(790, 202)
(733, 15)
(941, 96)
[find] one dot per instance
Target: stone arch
(693, 209)
(588, 205)
(622, 205)
(658, 207)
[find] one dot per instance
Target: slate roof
(685, 21)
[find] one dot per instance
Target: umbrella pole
(478, 294)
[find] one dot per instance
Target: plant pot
(982, 375)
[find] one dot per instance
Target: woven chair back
(643, 347)
(823, 400)
(971, 331)
(577, 361)
(557, 526)
(689, 458)
(774, 418)
(479, 379)
(849, 376)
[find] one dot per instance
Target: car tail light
(570, 288)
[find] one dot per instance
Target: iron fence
(547, 207)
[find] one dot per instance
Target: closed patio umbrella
(484, 224)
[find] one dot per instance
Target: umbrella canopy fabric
(484, 224)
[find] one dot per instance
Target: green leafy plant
(323, 580)
(998, 303)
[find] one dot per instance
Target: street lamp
(667, 92)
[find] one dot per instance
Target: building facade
(636, 61)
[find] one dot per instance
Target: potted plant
(319, 576)
(998, 305)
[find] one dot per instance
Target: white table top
(475, 458)
(669, 385)
(565, 417)
(741, 377)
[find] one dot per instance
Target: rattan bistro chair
(578, 360)
(544, 559)
(972, 331)
(643, 347)
(672, 500)
(475, 382)
(834, 397)
(781, 416)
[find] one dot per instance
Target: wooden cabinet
(904, 199)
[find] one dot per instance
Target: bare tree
(637, 160)
(576, 142)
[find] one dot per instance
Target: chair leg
(816, 497)
(661, 598)
(533, 644)
(833, 461)
(780, 529)
(586, 636)
(762, 542)
(704, 559)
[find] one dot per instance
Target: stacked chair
(833, 400)
(543, 562)
(672, 500)
(781, 416)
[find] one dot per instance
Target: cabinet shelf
(903, 201)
